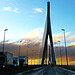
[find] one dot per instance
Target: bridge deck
(48, 70)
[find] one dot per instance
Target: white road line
(42, 71)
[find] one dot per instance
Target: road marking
(55, 71)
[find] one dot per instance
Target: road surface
(48, 70)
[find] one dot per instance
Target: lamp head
(63, 29)
(5, 29)
(21, 41)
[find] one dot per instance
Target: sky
(25, 20)
(23, 16)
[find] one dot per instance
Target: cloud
(31, 42)
(16, 10)
(35, 47)
(71, 38)
(10, 9)
(72, 44)
(7, 8)
(59, 36)
(33, 36)
(36, 33)
(38, 10)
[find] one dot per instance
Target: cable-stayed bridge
(49, 68)
(45, 68)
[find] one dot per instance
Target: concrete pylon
(47, 31)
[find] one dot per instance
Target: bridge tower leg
(47, 31)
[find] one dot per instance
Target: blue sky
(24, 16)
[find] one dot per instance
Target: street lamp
(19, 47)
(32, 55)
(35, 58)
(4, 39)
(58, 55)
(27, 55)
(60, 52)
(39, 56)
(65, 45)
(56, 49)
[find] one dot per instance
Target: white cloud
(16, 10)
(7, 8)
(36, 33)
(59, 36)
(11, 9)
(71, 38)
(38, 10)
(72, 44)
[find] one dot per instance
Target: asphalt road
(48, 70)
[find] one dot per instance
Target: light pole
(32, 55)
(60, 52)
(19, 47)
(58, 55)
(4, 39)
(65, 45)
(27, 54)
(19, 52)
(57, 50)
(39, 56)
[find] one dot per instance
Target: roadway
(48, 70)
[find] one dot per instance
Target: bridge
(50, 68)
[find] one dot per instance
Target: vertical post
(58, 55)
(4, 39)
(39, 56)
(19, 47)
(4, 42)
(19, 50)
(31, 59)
(32, 56)
(65, 48)
(27, 55)
(61, 55)
(60, 52)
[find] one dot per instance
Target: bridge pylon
(48, 32)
